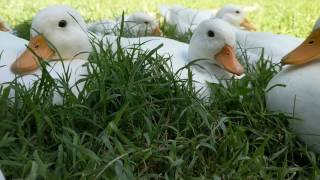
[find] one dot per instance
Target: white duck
(57, 32)
(213, 42)
(300, 96)
(135, 25)
(186, 19)
(249, 44)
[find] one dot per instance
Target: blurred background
(293, 17)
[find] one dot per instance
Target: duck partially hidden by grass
(135, 25)
(58, 37)
(211, 53)
(295, 90)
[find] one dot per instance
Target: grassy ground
(136, 120)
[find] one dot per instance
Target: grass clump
(136, 119)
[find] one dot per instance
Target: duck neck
(207, 65)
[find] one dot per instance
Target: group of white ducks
(60, 36)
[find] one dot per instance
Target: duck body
(274, 46)
(11, 47)
(135, 25)
(2, 176)
(9, 41)
(300, 99)
(103, 27)
(185, 19)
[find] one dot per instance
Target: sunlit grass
(287, 16)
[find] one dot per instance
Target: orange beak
(38, 48)
(157, 32)
(308, 51)
(3, 27)
(227, 58)
(247, 25)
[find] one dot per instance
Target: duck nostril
(36, 46)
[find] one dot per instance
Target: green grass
(134, 119)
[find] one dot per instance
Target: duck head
(308, 51)
(57, 33)
(214, 41)
(143, 24)
(236, 16)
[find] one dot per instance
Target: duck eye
(311, 42)
(146, 22)
(210, 33)
(238, 12)
(62, 23)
